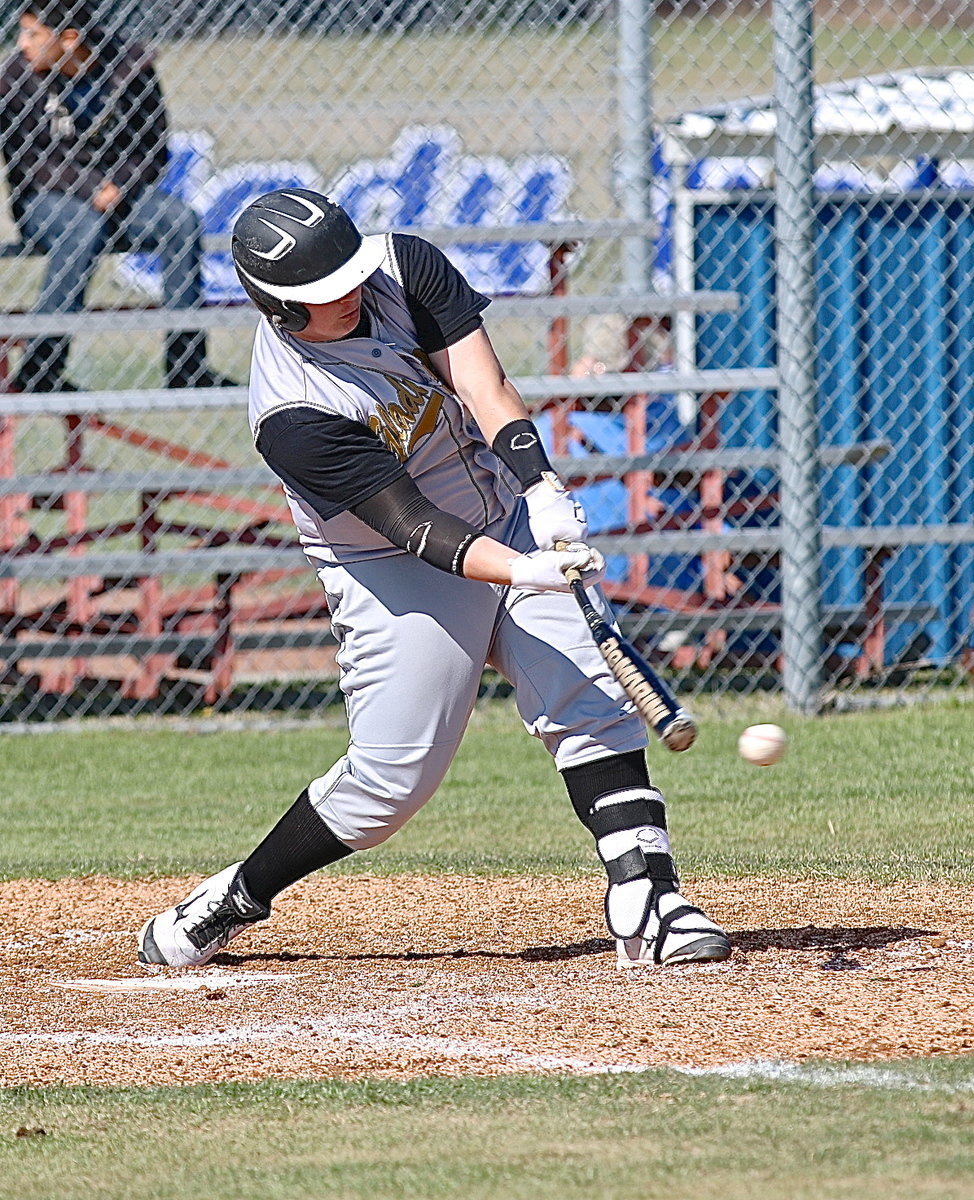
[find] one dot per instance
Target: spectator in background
(605, 351)
(83, 132)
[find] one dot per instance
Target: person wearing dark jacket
(83, 131)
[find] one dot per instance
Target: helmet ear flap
(291, 315)
(288, 315)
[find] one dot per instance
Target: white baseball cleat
(190, 933)
(676, 931)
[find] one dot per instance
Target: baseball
(762, 744)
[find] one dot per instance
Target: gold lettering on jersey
(403, 422)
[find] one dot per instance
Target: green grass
(894, 785)
(658, 1134)
(881, 795)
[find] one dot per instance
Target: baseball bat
(657, 705)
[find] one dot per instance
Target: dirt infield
(399, 977)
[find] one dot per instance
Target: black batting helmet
(294, 247)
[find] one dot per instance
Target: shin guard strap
(628, 866)
(661, 869)
(626, 810)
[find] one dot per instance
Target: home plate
(177, 983)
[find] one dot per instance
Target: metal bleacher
(193, 600)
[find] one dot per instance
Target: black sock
(298, 844)
(614, 774)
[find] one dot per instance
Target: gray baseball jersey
(383, 383)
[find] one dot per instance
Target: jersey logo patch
(401, 424)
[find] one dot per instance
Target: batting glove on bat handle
(572, 574)
(554, 515)
(547, 570)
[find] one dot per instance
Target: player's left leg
(575, 706)
(568, 697)
(644, 909)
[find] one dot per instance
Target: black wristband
(519, 448)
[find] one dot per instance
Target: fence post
(635, 136)
(796, 307)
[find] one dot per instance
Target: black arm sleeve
(401, 513)
(444, 307)
(338, 465)
(330, 461)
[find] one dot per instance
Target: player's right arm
(336, 465)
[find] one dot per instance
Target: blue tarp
(895, 326)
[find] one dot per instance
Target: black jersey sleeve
(331, 462)
(444, 307)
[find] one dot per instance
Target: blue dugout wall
(895, 329)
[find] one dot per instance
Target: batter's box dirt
(406, 976)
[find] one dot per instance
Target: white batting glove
(544, 570)
(553, 514)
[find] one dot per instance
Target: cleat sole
(149, 952)
(712, 948)
(708, 949)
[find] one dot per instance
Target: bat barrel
(674, 727)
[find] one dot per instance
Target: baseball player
(426, 505)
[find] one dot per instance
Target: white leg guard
(635, 851)
(653, 924)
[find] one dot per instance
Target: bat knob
(680, 733)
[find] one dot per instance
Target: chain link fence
(608, 172)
